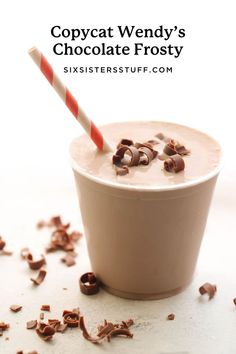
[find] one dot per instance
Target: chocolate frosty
(144, 229)
(204, 154)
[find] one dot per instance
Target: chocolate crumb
(31, 324)
(4, 326)
(89, 285)
(15, 308)
(234, 301)
(40, 278)
(208, 289)
(171, 317)
(41, 316)
(68, 260)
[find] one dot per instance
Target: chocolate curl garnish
(174, 163)
(160, 136)
(148, 153)
(174, 147)
(45, 331)
(35, 265)
(89, 284)
(134, 153)
(71, 318)
(86, 334)
(123, 142)
(208, 289)
(40, 278)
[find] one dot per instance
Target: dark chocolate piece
(89, 285)
(2, 243)
(209, 289)
(127, 142)
(148, 153)
(45, 331)
(174, 163)
(4, 326)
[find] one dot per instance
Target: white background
(36, 129)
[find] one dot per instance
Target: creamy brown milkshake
(144, 229)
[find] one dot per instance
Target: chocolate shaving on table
(209, 289)
(89, 284)
(15, 308)
(31, 324)
(40, 278)
(171, 317)
(35, 265)
(174, 163)
(120, 331)
(86, 334)
(234, 301)
(71, 318)
(24, 252)
(4, 326)
(45, 331)
(41, 316)
(45, 308)
(68, 260)
(54, 221)
(2, 243)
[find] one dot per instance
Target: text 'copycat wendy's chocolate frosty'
(144, 205)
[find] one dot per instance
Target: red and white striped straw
(69, 100)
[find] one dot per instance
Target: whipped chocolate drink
(144, 228)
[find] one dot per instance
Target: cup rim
(151, 188)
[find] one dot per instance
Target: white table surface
(200, 326)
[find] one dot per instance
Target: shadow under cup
(144, 243)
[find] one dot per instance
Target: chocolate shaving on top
(174, 147)
(35, 265)
(89, 284)
(134, 155)
(174, 163)
(40, 278)
(209, 289)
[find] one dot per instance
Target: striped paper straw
(69, 100)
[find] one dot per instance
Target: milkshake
(144, 229)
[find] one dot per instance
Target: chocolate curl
(134, 153)
(174, 147)
(40, 278)
(86, 334)
(89, 285)
(71, 318)
(123, 142)
(148, 153)
(174, 163)
(45, 331)
(209, 289)
(35, 265)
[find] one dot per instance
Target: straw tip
(31, 50)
